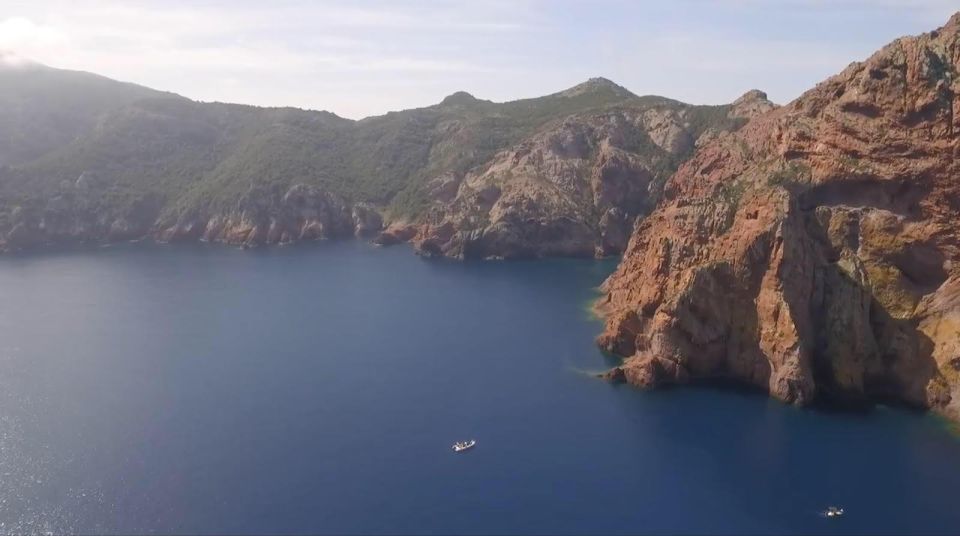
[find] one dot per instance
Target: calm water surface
(319, 388)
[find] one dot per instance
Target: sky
(367, 57)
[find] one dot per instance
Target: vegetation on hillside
(141, 144)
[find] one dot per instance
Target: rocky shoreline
(302, 213)
(814, 253)
(808, 250)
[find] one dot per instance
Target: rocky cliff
(300, 213)
(575, 188)
(813, 253)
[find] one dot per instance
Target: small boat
(833, 511)
(461, 446)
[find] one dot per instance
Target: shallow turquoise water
(318, 389)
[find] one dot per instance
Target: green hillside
(136, 145)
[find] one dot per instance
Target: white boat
(461, 446)
(833, 511)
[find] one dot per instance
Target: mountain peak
(459, 98)
(751, 104)
(752, 95)
(954, 21)
(597, 84)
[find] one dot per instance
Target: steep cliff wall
(813, 253)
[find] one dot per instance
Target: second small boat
(833, 511)
(461, 446)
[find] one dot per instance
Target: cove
(200, 389)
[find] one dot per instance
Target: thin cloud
(365, 57)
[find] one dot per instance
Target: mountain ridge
(174, 169)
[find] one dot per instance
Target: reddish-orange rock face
(813, 253)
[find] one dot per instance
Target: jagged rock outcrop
(548, 195)
(814, 253)
(751, 104)
(367, 220)
(574, 189)
(395, 233)
(75, 214)
(298, 213)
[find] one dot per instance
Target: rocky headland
(809, 250)
(813, 253)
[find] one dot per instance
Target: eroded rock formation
(574, 189)
(813, 253)
(299, 213)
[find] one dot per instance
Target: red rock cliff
(814, 253)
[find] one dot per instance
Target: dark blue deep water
(318, 389)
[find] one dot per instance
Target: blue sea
(318, 389)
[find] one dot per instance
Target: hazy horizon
(360, 59)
